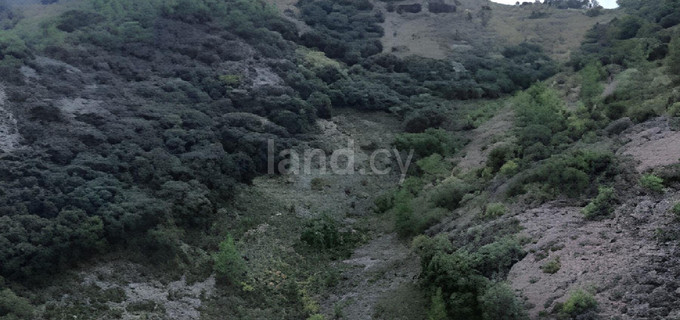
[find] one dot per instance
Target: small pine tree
(228, 261)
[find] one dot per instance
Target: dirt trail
(377, 269)
(385, 262)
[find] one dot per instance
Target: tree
(14, 307)
(228, 261)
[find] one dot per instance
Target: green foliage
(652, 182)
(496, 258)
(552, 266)
(509, 168)
(539, 116)
(73, 20)
(602, 205)
(228, 261)
(591, 88)
(427, 143)
(230, 80)
(676, 210)
(580, 302)
(573, 174)
(13, 307)
(322, 103)
(494, 210)
(463, 276)
(499, 156)
(437, 307)
(423, 119)
(12, 49)
(345, 30)
(449, 194)
(500, 303)
(434, 166)
(673, 60)
(384, 202)
(322, 233)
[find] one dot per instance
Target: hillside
(353, 159)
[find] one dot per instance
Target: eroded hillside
(135, 160)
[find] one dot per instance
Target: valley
(354, 159)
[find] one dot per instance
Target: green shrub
(539, 115)
(510, 168)
(499, 156)
(580, 302)
(496, 258)
(602, 205)
(13, 307)
(229, 263)
(573, 173)
(676, 210)
(73, 20)
(463, 277)
(230, 80)
(591, 89)
(437, 307)
(673, 60)
(434, 166)
(427, 143)
(494, 210)
(421, 120)
(322, 103)
(552, 266)
(500, 303)
(384, 202)
(652, 182)
(322, 233)
(449, 194)
(405, 219)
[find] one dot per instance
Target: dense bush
(13, 307)
(571, 174)
(464, 277)
(346, 30)
(421, 120)
(580, 303)
(499, 156)
(322, 233)
(427, 143)
(449, 195)
(602, 205)
(652, 182)
(539, 116)
(500, 303)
